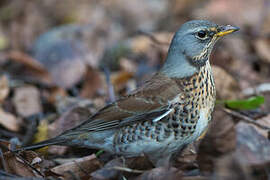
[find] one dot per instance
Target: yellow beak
(224, 30)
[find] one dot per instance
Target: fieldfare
(167, 112)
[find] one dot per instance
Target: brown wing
(146, 103)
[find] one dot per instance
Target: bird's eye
(201, 34)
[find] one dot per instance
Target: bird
(169, 111)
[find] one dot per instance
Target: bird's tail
(53, 141)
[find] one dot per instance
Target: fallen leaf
(262, 47)
(9, 121)
(81, 167)
(120, 79)
(4, 88)
(27, 101)
(71, 115)
(41, 135)
(15, 165)
(219, 140)
(62, 54)
(93, 82)
(107, 171)
(161, 173)
(230, 167)
(186, 160)
(245, 104)
(263, 121)
(36, 69)
(226, 86)
(128, 65)
(257, 144)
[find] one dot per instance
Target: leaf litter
(94, 52)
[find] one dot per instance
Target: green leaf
(246, 104)
(99, 153)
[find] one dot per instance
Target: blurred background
(61, 61)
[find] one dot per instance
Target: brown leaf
(186, 160)
(67, 73)
(15, 165)
(257, 144)
(25, 59)
(262, 47)
(37, 70)
(152, 45)
(9, 121)
(93, 82)
(107, 172)
(250, 159)
(120, 79)
(72, 115)
(263, 121)
(231, 167)
(128, 65)
(219, 140)
(161, 173)
(81, 167)
(240, 12)
(27, 101)
(227, 87)
(4, 88)
(53, 94)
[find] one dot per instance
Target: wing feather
(148, 103)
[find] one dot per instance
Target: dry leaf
(63, 54)
(257, 144)
(219, 140)
(262, 46)
(9, 121)
(107, 172)
(241, 12)
(71, 118)
(186, 159)
(42, 134)
(161, 173)
(154, 46)
(93, 82)
(53, 94)
(128, 65)
(226, 86)
(27, 101)
(263, 121)
(120, 79)
(4, 88)
(73, 115)
(81, 167)
(231, 167)
(15, 165)
(36, 69)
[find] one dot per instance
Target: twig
(119, 168)
(28, 164)
(245, 118)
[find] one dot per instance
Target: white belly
(201, 124)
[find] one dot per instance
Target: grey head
(191, 47)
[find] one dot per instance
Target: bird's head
(192, 44)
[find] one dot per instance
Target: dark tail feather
(53, 141)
